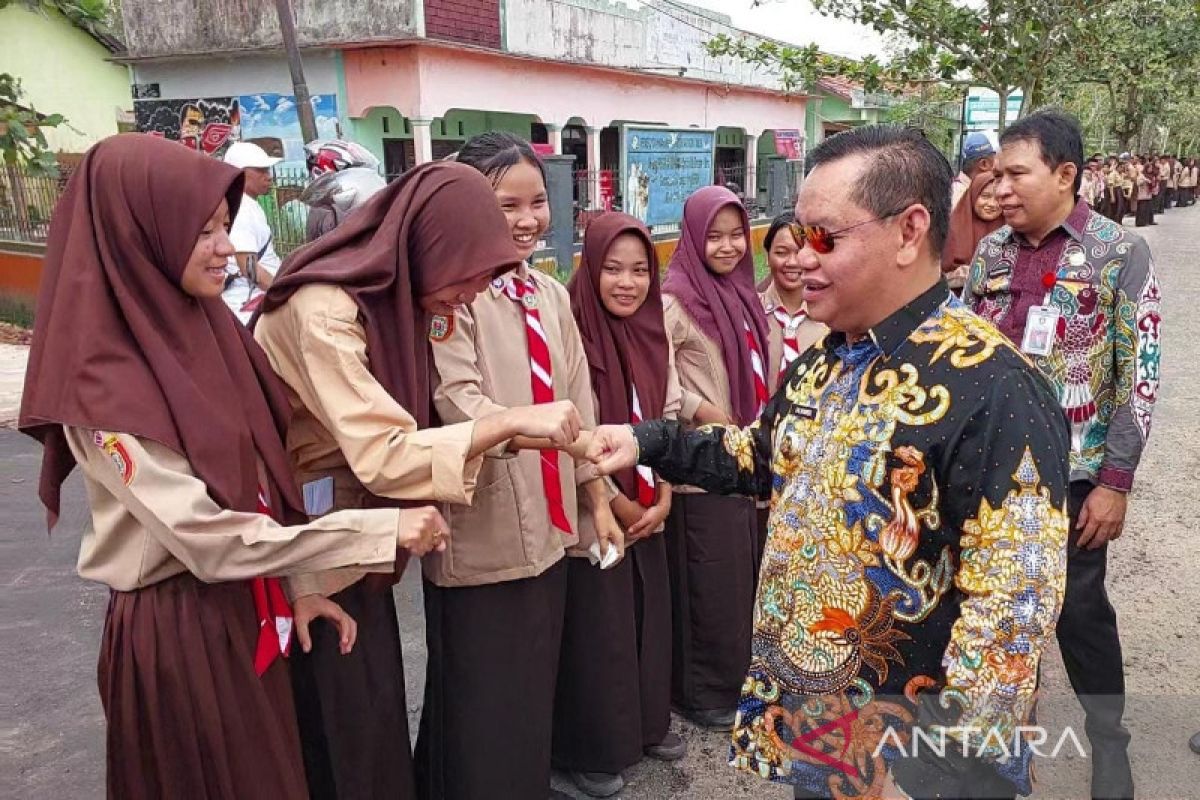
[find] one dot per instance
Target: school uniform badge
(440, 327)
(116, 452)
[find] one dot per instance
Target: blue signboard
(661, 167)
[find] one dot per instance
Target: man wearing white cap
(253, 267)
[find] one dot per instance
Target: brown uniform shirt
(670, 411)
(482, 366)
(152, 519)
(700, 366)
(346, 426)
(809, 333)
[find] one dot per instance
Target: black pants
(1091, 651)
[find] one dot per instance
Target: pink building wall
(425, 81)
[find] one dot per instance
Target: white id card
(318, 496)
(1041, 329)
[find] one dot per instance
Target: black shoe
(598, 784)
(1194, 743)
(671, 748)
(713, 719)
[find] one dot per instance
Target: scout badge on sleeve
(440, 327)
(112, 447)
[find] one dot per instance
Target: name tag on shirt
(318, 496)
(1041, 329)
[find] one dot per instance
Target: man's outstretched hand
(612, 449)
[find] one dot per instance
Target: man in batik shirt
(916, 466)
(1077, 293)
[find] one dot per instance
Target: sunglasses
(822, 240)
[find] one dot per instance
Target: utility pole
(304, 110)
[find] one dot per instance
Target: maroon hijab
(966, 228)
(436, 226)
(719, 304)
(119, 346)
(621, 352)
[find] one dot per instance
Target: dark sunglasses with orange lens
(821, 239)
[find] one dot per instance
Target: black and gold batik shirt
(916, 560)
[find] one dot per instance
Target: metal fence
(27, 202)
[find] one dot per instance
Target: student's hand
(612, 449)
(559, 422)
(1102, 518)
(312, 606)
(579, 448)
(608, 532)
(627, 512)
(422, 530)
(653, 518)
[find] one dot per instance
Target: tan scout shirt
(809, 333)
(587, 527)
(700, 366)
(152, 518)
(482, 366)
(345, 424)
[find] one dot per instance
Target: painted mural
(206, 124)
(210, 124)
(273, 116)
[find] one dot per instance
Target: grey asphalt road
(52, 731)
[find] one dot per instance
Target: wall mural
(210, 124)
(206, 124)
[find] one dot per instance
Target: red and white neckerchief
(645, 476)
(761, 395)
(524, 294)
(274, 613)
(791, 341)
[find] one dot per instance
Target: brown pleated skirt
(711, 541)
(489, 688)
(1144, 215)
(351, 708)
(614, 675)
(187, 716)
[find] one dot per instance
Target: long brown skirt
(614, 674)
(711, 542)
(489, 689)
(351, 708)
(187, 716)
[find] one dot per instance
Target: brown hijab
(621, 352)
(119, 346)
(436, 226)
(966, 228)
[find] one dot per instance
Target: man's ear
(914, 223)
(1066, 174)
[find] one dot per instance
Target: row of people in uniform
(245, 489)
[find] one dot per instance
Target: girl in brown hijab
(141, 376)
(347, 324)
(975, 216)
(613, 701)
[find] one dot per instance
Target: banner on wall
(789, 143)
(211, 124)
(660, 167)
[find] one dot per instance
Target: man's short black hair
(1057, 134)
(903, 168)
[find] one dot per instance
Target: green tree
(1002, 45)
(1144, 56)
(22, 141)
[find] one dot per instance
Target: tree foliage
(22, 140)
(1003, 45)
(1144, 56)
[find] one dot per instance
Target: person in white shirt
(252, 268)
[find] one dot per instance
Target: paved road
(51, 728)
